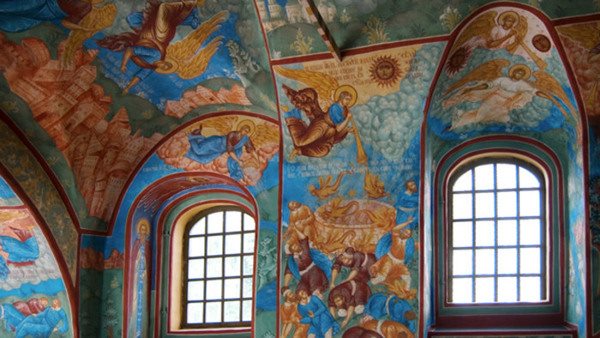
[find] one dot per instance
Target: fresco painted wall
(219, 151)
(33, 295)
(36, 184)
(350, 231)
(95, 87)
(357, 23)
(504, 76)
(581, 43)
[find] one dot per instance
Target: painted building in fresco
(122, 120)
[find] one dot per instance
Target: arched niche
(504, 74)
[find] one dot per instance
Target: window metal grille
(218, 268)
(497, 241)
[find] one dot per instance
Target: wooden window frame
(185, 260)
(542, 246)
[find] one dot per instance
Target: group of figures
(34, 318)
(334, 279)
(501, 85)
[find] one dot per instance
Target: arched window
(498, 210)
(218, 264)
(497, 233)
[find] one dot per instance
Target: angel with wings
(205, 149)
(238, 146)
(491, 30)
(149, 46)
(324, 128)
(500, 94)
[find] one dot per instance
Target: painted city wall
(33, 294)
(81, 82)
(350, 231)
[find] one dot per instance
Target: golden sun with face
(385, 70)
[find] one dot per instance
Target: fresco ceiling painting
(325, 120)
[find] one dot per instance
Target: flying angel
(325, 128)
(491, 30)
(149, 45)
(240, 139)
(499, 94)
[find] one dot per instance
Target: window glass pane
(249, 242)
(199, 228)
(214, 267)
(196, 290)
(531, 288)
(507, 232)
(506, 176)
(213, 312)
(507, 261)
(462, 234)
(530, 232)
(529, 203)
(464, 182)
(484, 177)
(232, 288)
(196, 247)
(248, 265)
(484, 233)
(233, 221)
(195, 313)
(214, 245)
(215, 222)
(232, 311)
(484, 204)
(249, 223)
(247, 288)
(484, 261)
(462, 290)
(214, 289)
(232, 266)
(462, 206)
(484, 290)
(507, 289)
(233, 244)
(247, 310)
(196, 268)
(530, 260)
(507, 204)
(462, 262)
(527, 179)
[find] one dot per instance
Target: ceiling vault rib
(316, 18)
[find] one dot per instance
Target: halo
(507, 13)
(246, 123)
(167, 67)
(350, 90)
(522, 67)
(141, 223)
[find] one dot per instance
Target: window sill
(562, 330)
